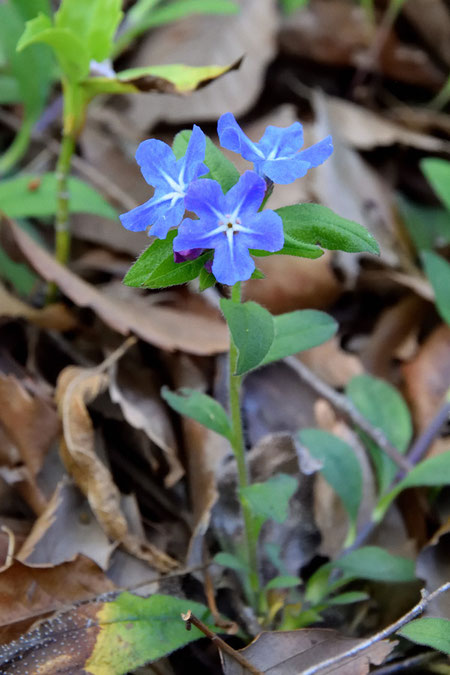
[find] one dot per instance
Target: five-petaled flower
(170, 178)
(231, 225)
(277, 154)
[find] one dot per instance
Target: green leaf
(156, 267)
(9, 89)
(205, 279)
(18, 274)
(432, 471)
(69, 49)
(347, 598)
(290, 6)
(199, 407)
(286, 581)
(341, 468)
(429, 631)
(135, 631)
(297, 331)
(385, 409)
(317, 225)
(376, 564)
(437, 270)
(427, 226)
(220, 168)
(93, 21)
(174, 78)
(29, 73)
(437, 171)
(252, 330)
(33, 195)
(231, 561)
(270, 500)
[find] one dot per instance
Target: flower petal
(205, 198)
(246, 196)
(171, 216)
(141, 217)
(196, 234)
(317, 153)
(266, 232)
(157, 160)
(195, 155)
(283, 171)
(282, 142)
(233, 138)
(232, 263)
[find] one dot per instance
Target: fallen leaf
(431, 19)
(331, 363)
(30, 421)
(202, 39)
(133, 386)
(76, 387)
(52, 317)
(164, 327)
(293, 652)
(427, 377)
(31, 593)
(67, 528)
(340, 34)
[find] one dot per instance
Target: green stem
(62, 230)
(238, 447)
(17, 148)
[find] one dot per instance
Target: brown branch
(191, 619)
(383, 634)
(344, 405)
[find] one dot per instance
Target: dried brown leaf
(77, 387)
(29, 593)
(52, 317)
(164, 327)
(209, 39)
(293, 652)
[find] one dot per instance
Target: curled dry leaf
(134, 388)
(293, 652)
(163, 327)
(52, 317)
(30, 593)
(77, 387)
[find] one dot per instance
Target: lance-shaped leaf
(72, 54)
(174, 78)
(438, 272)
(429, 631)
(156, 267)
(94, 21)
(269, 500)
(104, 637)
(297, 331)
(377, 564)
(252, 330)
(34, 195)
(432, 471)
(315, 224)
(341, 468)
(199, 407)
(438, 173)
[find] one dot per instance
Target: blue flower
(231, 225)
(277, 154)
(170, 178)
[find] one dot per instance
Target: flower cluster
(230, 224)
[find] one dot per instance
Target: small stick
(386, 632)
(423, 442)
(342, 403)
(191, 619)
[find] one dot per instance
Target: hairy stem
(238, 446)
